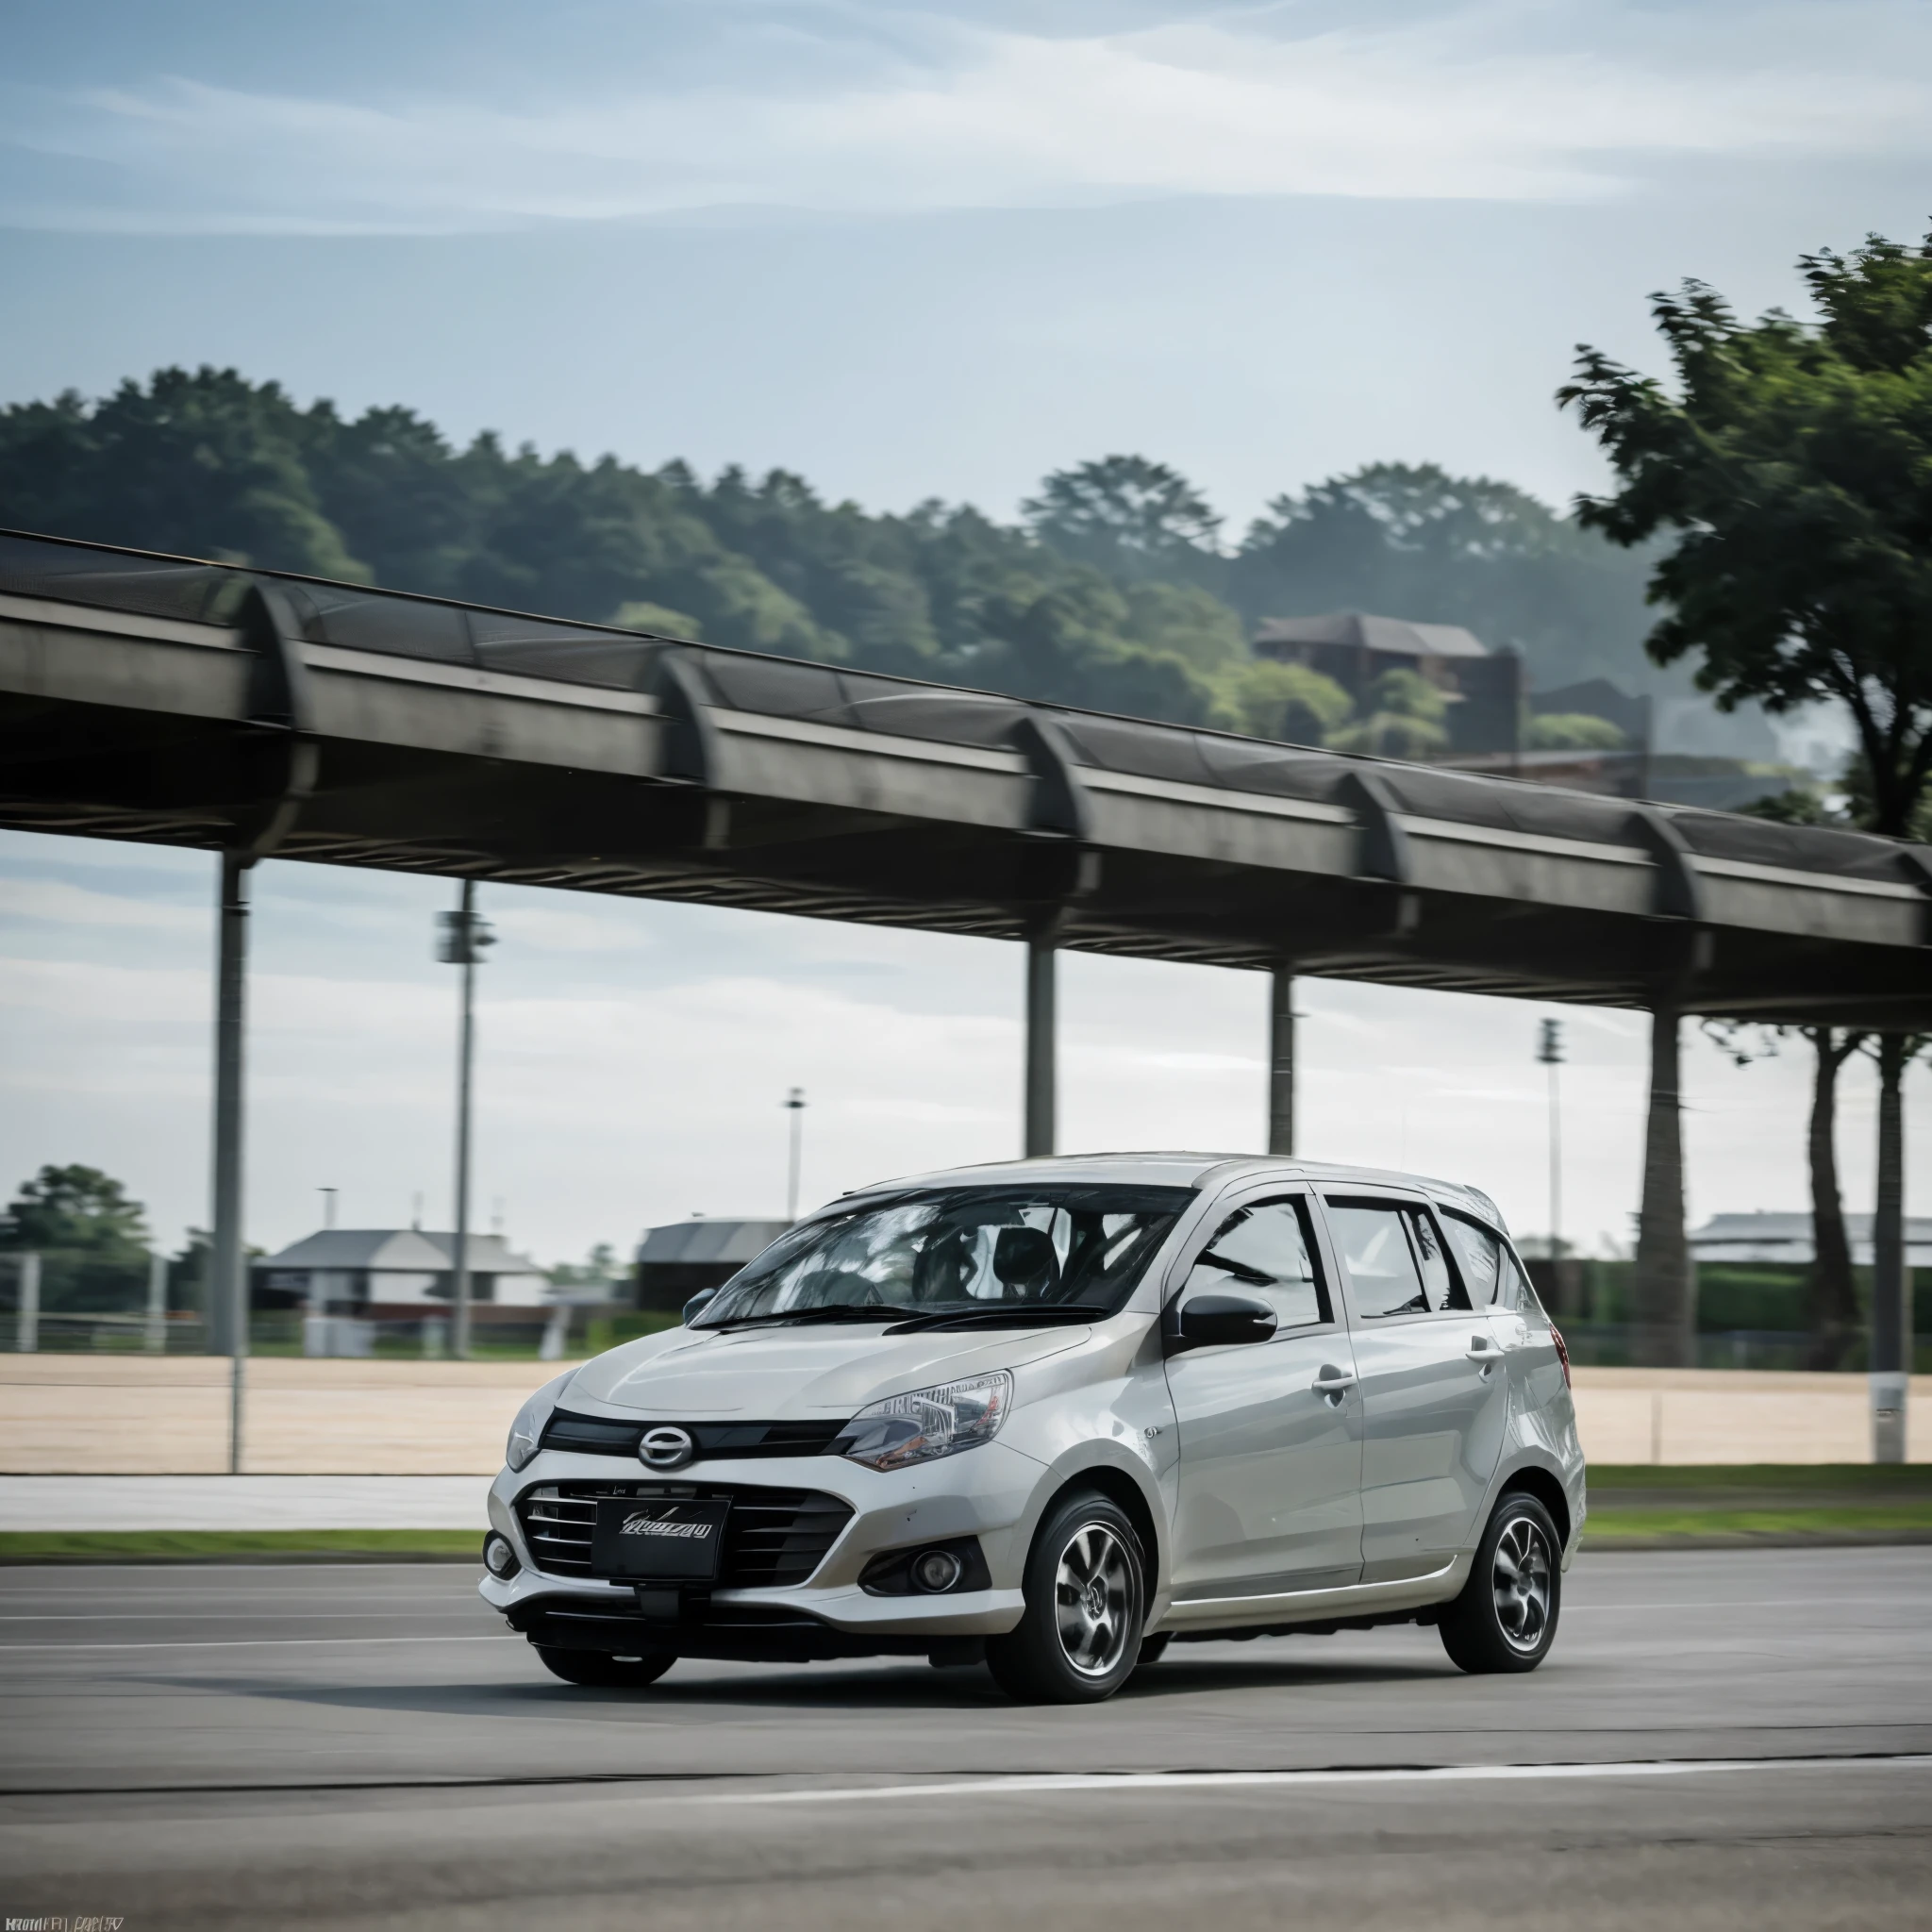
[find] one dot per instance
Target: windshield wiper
(1013, 1315)
(829, 1311)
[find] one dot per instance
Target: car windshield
(959, 1250)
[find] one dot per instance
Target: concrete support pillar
(27, 1328)
(154, 1337)
(227, 1287)
(1891, 1314)
(1281, 1061)
(1041, 1077)
(466, 1051)
(1663, 1312)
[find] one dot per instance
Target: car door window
(1441, 1282)
(1513, 1290)
(1265, 1250)
(1479, 1254)
(1381, 1263)
(1488, 1267)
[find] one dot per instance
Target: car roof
(1183, 1170)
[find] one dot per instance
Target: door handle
(1483, 1352)
(1330, 1380)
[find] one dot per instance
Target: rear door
(1268, 1484)
(1435, 1393)
(1495, 1282)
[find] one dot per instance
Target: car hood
(770, 1374)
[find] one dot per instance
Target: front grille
(771, 1537)
(596, 1435)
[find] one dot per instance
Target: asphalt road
(1718, 1739)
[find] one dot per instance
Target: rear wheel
(1506, 1617)
(1086, 1603)
(594, 1667)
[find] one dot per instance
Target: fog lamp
(499, 1558)
(934, 1570)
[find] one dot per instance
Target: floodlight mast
(463, 937)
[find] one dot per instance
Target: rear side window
(1265, 1250)
(1488, 1267)
(1515, 1292)
(1479, 1253)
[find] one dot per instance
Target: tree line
(1114, 589)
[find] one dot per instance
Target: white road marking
(249, 1642)
(201, 1616)
(1057, 1783)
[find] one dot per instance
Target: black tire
(1152, 1650)
(595, 1667)
(1086, 1586)
(1506, 1617)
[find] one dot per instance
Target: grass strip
(1864, 1478)
(1660, 1528)
(233, 1546)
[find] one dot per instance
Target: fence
(35, 1321)
(47, 1298)
(1747, 1317)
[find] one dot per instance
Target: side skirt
(1354, 1607)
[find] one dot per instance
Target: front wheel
(1086, 1603)
(1506, 1617)
(594, 1667)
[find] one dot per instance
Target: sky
(633, 1059)
(908, 251)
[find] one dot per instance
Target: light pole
(794, 1104)
(1550, 1052)
(463, 938)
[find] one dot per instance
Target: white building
(394, 1272)
(1787, 1239)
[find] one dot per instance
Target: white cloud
(57, 899)
(1494, 100)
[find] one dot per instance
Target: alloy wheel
(1521, 1581)
(1094, 1592)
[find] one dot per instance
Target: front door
(1270, 1470)
(1435, 1389)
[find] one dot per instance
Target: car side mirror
(1216, 1320)
(698, 1304)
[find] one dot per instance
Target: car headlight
(926, 1423)
(527, 1430)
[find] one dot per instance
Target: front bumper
(990, 1492)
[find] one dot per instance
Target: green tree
(1571, 731)
(1405, 719)
(1127, 517)
(1792, 465)
(77, 1210)
(1266, 698)
(208, 464)
(1186, 622)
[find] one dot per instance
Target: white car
(1054, 1414)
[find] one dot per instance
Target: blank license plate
(652, 1537)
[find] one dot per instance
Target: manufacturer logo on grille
(652, 1526)
(667, 1448)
